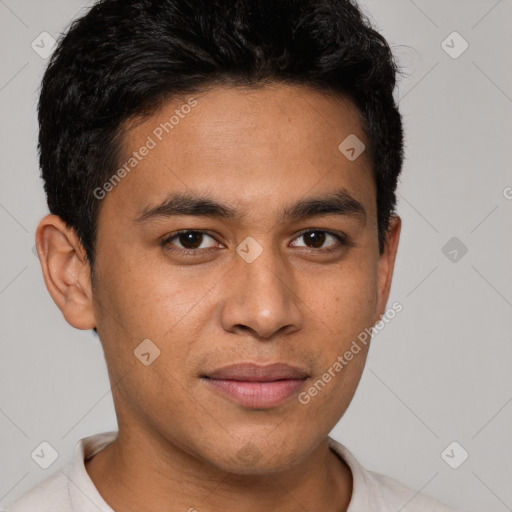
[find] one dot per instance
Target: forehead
(244, 144)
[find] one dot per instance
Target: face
(272, 259)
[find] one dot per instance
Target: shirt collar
(82, 492)
(85, 497)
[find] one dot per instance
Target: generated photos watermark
(343, 360)
(157, 135)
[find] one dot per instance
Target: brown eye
(316, 238)
(189, 240)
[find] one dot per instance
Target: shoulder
(49, 495)
(70, 488)
(373, 491)
(398, 496)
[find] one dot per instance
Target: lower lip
(257, 395)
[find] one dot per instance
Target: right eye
(190, 241)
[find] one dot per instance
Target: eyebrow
(338, 203)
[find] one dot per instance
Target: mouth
(256, 386)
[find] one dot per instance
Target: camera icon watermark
(454, 45)
(147, 352)
(44, 455)
(249, 249)
(43, 45)
(352, 147)
(454, 455)
(249, 454)
(454, 249)
(507, 193)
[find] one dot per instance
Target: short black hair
(124, 58)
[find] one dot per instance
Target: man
(221, 179)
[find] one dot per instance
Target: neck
(133, 476)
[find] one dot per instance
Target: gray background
(438, 373)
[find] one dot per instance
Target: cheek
(148, 302)
(147, 299)
(344, 300)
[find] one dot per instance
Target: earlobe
(387, 263)
(66, 271)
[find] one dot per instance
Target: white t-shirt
(72, 490)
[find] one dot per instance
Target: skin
(182, 444)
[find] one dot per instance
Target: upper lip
(251, 372)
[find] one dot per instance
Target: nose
(261, 298)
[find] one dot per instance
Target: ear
(66, 271)
(386, 264)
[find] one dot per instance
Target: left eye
(317, 237)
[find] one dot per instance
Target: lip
(257, 386)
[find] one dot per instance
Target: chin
(263, 466)
(259, 457)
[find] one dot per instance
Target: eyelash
(342, 239)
